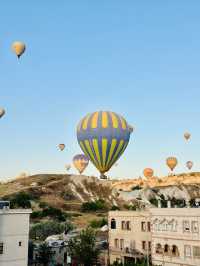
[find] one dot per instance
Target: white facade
(173, 236)
(14, 235)
(176, 236)
(129, 235)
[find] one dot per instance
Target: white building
(129, 235)
(175, 236)
(14, 235)
(170, 235)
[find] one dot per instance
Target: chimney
(169, 204)
(159, 203)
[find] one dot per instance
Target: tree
(83, 248)
(44, 254)
(42, 230)
(21, 200)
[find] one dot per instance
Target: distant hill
(68, 192)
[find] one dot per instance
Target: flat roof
(15, 211)
(157, 212)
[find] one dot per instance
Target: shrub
(115, 208)
(20, 200)
(136, 188)
(94, 206)
(98, 223)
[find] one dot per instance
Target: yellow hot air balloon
(148, 172)
(61, 146)
(171, 162)
(103, 137)
(18, 48)
(80, 162)
(187, 135)
(2, 112)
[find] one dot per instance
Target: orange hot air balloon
(18, 48)
(148, 172)
(61, 146)
(171, 162)
(187, 135)
(80, 162)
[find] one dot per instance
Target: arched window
(113, 224)
(175, 251)
(166, 249)
(159, 249)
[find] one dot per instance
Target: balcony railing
(127, 251)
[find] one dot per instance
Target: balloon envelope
(148, 172)
(67, 167)
(187, 135)
(18, 48)
(2, 112)
(61, 146)
(103, 136)
(171, 162)
(80, 162)
(189, 165)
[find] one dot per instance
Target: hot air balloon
(171, 162)
(61, 146)
(103, 136)
(18, 48)
(187, 135)
(80, 162)
(131, 128)
(148, 172)
(189, 165)
(67, 167)
(2, 112)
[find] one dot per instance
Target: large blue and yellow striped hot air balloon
(103, 137)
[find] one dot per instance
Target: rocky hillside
(64, 190)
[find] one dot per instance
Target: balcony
(128, 252)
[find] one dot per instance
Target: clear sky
(140, 59)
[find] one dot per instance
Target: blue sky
(140, 59)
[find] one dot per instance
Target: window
(144, 245)
(149, 246)
(166, 249)
(113, 224)
(196, 252)
(159, 249)
(121, 243)
(128, 225)
(149, 226)
(143, 226)
(186, 226)
(195, 228)
(116, 243)
(175, 251)
(123, 225)
(20, 243)
(1, 248)
(187, 251)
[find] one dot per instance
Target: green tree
(83, 248)
(21, 200)
(41, 231)
(44, 254)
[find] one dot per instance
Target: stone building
(14, 234)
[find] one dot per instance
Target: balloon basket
(102, 176)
